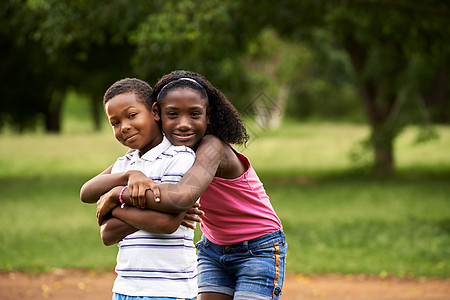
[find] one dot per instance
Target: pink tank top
(237, 209)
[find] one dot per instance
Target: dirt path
(78, 284)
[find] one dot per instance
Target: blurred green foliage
(312, 59)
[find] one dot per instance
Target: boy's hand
(192, 214)
(138, 184)
(107, 202)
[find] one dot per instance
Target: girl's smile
(183, 116)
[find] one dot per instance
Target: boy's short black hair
(139, 87)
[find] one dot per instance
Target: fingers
(138, 193)
(156, 193)
(192, 217)
(134, 191)
(195, 210)
(141, 197)
(188, 225)
(195, 218)
(137, 196)
(99, 215)
(154, 188)
(138, 184)
(199, 212)
(99, 218)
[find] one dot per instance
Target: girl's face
(183, 116)
(133, 124)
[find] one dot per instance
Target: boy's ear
(155, 112)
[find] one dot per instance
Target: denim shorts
(125, 297)
(252, 269)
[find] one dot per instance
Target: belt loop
(245, 245)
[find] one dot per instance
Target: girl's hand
(138, 184)
(107, 202)
(192, 215)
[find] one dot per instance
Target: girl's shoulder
(211, 144)
(210, 138)
(232, 164)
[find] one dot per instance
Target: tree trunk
(382, 132)
(52, 113)
(382, 143)
(277, 116)
(435, 97)
(95, 112)
(377, 112)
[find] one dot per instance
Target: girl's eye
(171, 114)
(196, 114)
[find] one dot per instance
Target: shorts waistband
(246, 245)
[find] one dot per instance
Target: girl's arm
(179, 197)
(132, 218)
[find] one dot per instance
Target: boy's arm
(114, 230)
(92, 190)
(149, 220)
(145, 219)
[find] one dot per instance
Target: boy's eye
(132, 115)
(114, 123)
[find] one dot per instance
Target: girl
(159, 259)
(242, 253)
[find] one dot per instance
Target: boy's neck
(155, 143)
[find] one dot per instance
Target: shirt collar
(153, 153)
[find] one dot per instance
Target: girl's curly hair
(225, 121)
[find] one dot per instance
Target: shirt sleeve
(181, 161)
(121, 164)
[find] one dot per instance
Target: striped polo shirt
(150, 264)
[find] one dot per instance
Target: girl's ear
(155, 112)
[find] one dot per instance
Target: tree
(50, 46)
(275, 67)
(384, 40)
(399, 51)
(24, 96)
(207, 37)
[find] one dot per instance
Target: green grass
(349, 225)
(336, 218)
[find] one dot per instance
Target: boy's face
(183, 116)
(133, 124)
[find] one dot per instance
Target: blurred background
(352, 96)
